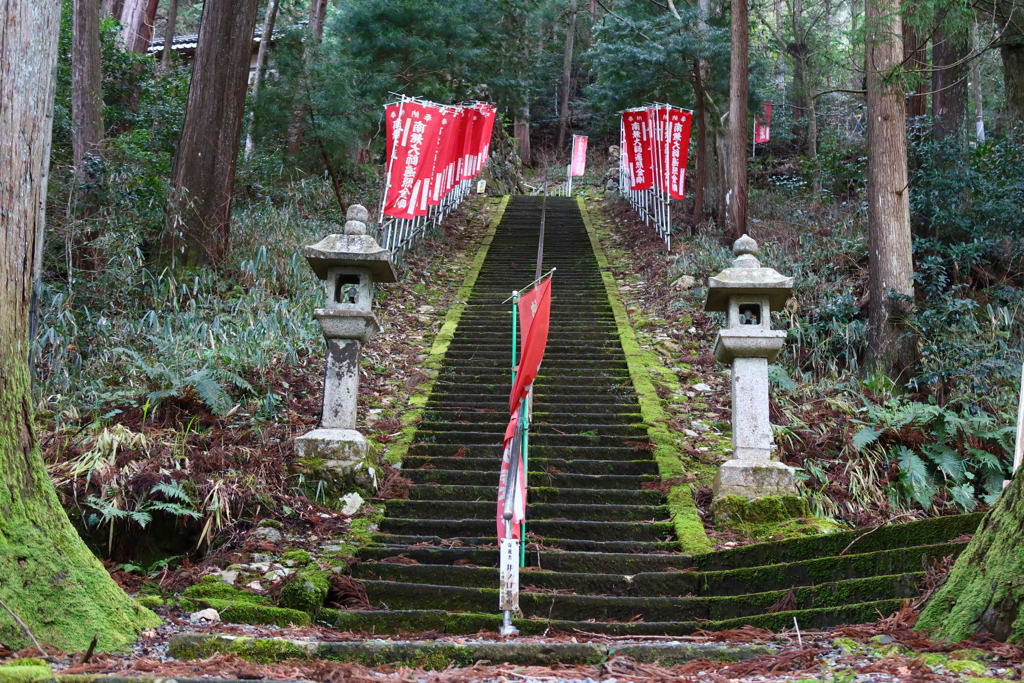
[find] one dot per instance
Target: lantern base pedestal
(333, 462)
(754, 479)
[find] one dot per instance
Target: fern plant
(962, 455)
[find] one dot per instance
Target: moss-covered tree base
(985, 590)
(51, 580)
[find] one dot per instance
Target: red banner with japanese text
(678, 143)
(412, 138)
(637, 136)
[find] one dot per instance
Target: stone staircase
(602, 557)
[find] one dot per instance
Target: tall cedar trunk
(169, 28)
(949, 83)
(916, 60)
(736, 198)
(702, 142)
(317, 12)
(269, 18)
(521, 133)
(1013, 84)
(812, 135)
(891, 344)
(137, 17)
(113, 7)
(86, 90)
(563, 105)
(976, 98)
(48, 576)
(984, 594)
(207, 155)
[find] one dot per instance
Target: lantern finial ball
(744, 245)
(357, 217)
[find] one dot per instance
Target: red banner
(762, 125)
(430, 149)
(579, 155)
(637, 128)
(412, 137)
(678, 138)
(512, 444)
(535, 316)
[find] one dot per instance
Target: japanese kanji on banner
(762, 125)
(579, 155)
(637, 148)
(677, 134)
(430, 149)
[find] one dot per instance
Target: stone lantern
(748, 293)
(348, 264)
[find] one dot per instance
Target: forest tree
(48, 577)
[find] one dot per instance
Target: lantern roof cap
(747, 277)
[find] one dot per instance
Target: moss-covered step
(486, 478)
(919, 533)
(572, 607)
(596, 531)
(462, 509)
(802, 573)
(537, 494)
(550, 465)
(551, 544)
(486, 577)
(635, 450)
(465, 623)
(434, 655)
(588, 435)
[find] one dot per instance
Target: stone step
(455, 509)
(537, 465)
(545, 528)
(536, 494)
(570, 607)
(616, 482)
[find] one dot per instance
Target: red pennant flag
(513, 444)
(762, 125)
(638, 149)
(535, 316)
(678, 138)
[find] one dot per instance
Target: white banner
(509, 573)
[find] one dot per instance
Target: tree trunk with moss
(984, 594)
(48, 577)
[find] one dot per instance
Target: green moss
(62, 592)
(257, 650)
(24, 674)
(271, 523)
(306, 591)
(223, 591)
(240, 612)
(25, 661)
(298, 557)
(770, 518)
(985, 590)
(643, 366)
(847, 645)
(149, 601)
(965, 666)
